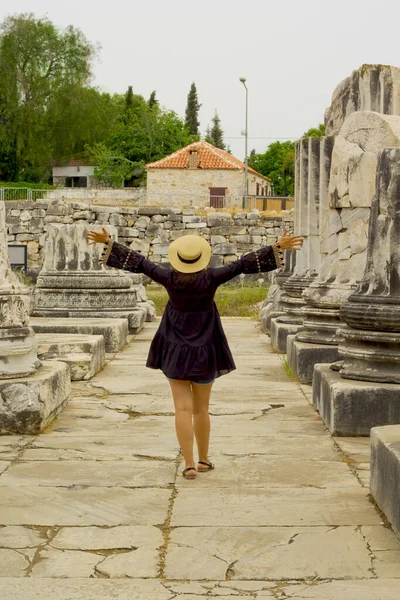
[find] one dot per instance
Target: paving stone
(57, 563)
(20, 537)
(135, 473)
(12, 564)
(268, 552)
(270, 507)
(82, 589)
(367, 589)
(79, 506)
(99, 538)
(140, 563)
(3, 466)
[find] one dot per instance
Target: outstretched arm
(266, 259)
(119, 256)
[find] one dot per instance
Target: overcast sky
(292, 52)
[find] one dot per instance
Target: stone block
(102, 217)
(85, 354)
(224, 248)
(280, 333)
(348, 215)
(216, 261)
(118, 220)
(191, 219)
(153, 230)
(139, 245)
(59, 210)
(150, 308)
(229, 258)
(25, 215)
(302, 357)
(24, 237)
(350, 407)
(83, 214)
(29, 404)
(385, 472)
(217, 239)
(358, 236)
(229, 230)
(200, 225)
(188, 211)
(158, 218)
(150, 211)
(142, 222)
(114, 331)
(137, 319)
(160, 249)
(127, 232)
(218, 219)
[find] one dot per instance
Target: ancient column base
(136, 316)
(351, 408)
(280, 332)
(28, 405)
(302, 357)
(85, 354)
(114, 331)
(370, 355)
(266, 315)
(385, 472)
(18, 352)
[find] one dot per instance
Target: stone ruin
(32, 392)
(73, 283)
(341, 302)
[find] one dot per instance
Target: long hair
(187, 277)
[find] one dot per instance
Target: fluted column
(371, 347)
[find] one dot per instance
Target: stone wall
(148, 229)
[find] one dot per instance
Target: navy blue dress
(190, 343)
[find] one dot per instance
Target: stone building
(74, 173)
(202, 175)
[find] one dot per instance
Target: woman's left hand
(290, 242)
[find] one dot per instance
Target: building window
(75, 182)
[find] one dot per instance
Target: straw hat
(189, 254)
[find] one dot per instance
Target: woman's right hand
(97, 237)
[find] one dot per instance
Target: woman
(190, 346)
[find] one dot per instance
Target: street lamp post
(246, 168)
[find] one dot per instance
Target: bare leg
(201, 418)
(182, 395)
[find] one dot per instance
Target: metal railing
(9, 194)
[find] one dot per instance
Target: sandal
(186, 476)
(210, 466)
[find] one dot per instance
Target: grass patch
(232, 300)
(288, 369)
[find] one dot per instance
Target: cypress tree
(192, 111)
(152, 101)
(216, 135)
(129, 99)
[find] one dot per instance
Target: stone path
(96, 508)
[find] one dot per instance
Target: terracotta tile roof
(210, 158)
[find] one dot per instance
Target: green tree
(152, 101)
(148, 135)
(316, 131)
(39, 66)
(192, 111)
(277, 163)
(215, 136)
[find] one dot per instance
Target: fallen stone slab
(29, 404)
(350, 407)
(114, 331)
(85, 354)
(385, 472)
